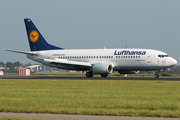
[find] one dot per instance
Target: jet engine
(102, 68)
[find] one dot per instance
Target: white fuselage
(121, 59)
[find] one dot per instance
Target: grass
(91, 97)
(79, 74)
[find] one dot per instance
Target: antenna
(126, 46)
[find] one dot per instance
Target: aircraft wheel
(89, 74)
(156, 75)
(104, 75)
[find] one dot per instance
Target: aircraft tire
(89, 74)
(104, 75)
(156, 75)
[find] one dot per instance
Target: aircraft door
(149, 58)
(48, 55)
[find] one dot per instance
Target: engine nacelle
(128, 72)
(102, 68)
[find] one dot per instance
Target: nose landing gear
(156, 75)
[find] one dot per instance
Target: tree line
(12, 67)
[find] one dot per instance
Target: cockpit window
(161, 56)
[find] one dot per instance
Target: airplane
(94, 61)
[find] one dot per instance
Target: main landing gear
(90, 74)
(104, 75)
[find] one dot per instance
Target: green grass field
(91, 97)
(79, 74)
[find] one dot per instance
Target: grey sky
(153, 24)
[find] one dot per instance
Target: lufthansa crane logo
(34, 36)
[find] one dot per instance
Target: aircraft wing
(70, 65)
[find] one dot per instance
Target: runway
(77, 117)
(90, 78)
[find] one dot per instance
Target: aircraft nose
(174, 62)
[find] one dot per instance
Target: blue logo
(127, 52)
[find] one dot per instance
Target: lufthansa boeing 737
(94, 61)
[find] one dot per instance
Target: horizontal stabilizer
(22, 52)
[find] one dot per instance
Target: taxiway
(90, 78)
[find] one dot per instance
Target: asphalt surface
(90, 78)
(76, 117)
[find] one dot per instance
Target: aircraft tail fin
(36, 40)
